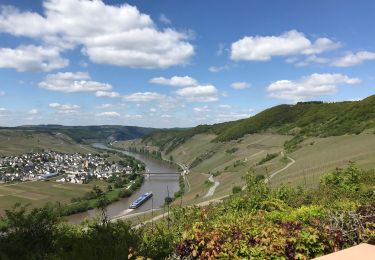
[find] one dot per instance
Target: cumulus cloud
(218, 68)
(309, 60)
(110, 94)
(175, 81)
(240, 85)
(63, 106)
(109, 114)
(201, 109)
(117, 35)
(199, 93)
(72, 82)
(311, 86)
(133, 116)
(352, 59)
(190, 89)
(32, 58)
(164, 19)
(33, 111)
(143, 97)
(263, 48)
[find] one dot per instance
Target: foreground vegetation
(258, 222)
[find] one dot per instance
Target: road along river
(159, 184)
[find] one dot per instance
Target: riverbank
(166, 179)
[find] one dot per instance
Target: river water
(167, 180)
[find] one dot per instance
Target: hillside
(87, 134)
(295, 144)
(22, 141)
(305, 118)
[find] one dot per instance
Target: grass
(37, 193)
(320, 155)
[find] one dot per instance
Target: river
(159, 184)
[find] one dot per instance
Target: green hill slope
(87, 134)
(305, 118)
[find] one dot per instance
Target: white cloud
(218, 68)
(311, 86)
(153, 110)
(199, 93)
(166, 116)
(310, 59)
(134, 116)
(32, 58)
(2, 109)
(105, 106)
(352, 59)
(109, 94)
(175, 81)
(263, 48)
(164, 19)
(225, 106)
(59, 106)
(117, 35)
(240, 85)
(2, 93)
(33, 111)
(190, 89)
(143, 97)
(72, 82)
(109, 114)
(201, 109)
(169, 103)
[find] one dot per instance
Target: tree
(97, 190)
(29, 234)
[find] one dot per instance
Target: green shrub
(268, 157)
(236, 189)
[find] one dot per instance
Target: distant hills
(302, 119)
(87, 134)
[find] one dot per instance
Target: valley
(228, 162)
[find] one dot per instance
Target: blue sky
(178, 64)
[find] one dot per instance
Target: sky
(178, 63)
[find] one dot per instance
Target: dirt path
(292, 161)
(185, 172)
(212, 189)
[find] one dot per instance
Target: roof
(362, 251)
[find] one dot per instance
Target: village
(73, 168)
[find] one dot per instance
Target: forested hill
(85, 134)
(305, 118)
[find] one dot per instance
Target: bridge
(162, 175)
